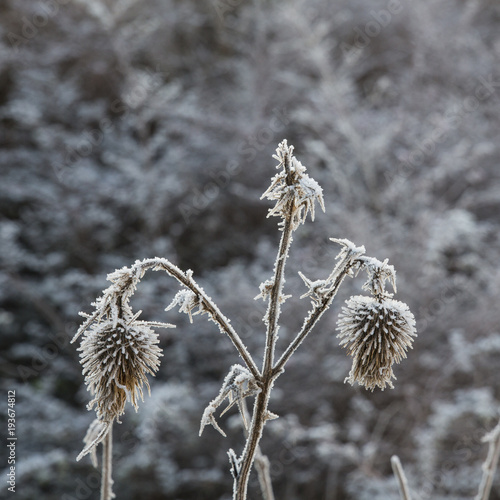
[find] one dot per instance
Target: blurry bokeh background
(132, 129)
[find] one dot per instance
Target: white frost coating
(238, 384)
(376, 334)
(292, 187)
(118, 350)
(317, 289)
(378, 272)
(187, 302)
(310, 190)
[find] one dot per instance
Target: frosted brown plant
(118, 351)
(376, 331)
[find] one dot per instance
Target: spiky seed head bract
(115, 362)
(377, 334)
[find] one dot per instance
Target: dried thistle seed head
(115, 362)
(377, 334)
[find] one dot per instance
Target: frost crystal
(238, 384)
(294, 191)
(235, 463)
(378, 273)
(115, 363)
(317, 288)
(187, 302)
(377, 334)
(96, 429)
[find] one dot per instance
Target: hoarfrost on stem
(294, 191)
(118, 350)
(238, 384)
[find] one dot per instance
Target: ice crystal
(294, 191)
(316, 288)
(266, 288)
(378, 273)
(377, 334)
(115, 363)
(238, 384)
(235, 463)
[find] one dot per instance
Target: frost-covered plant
(118, 350)
(376, 330)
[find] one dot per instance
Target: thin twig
(490, 464)
(213, 311)
(315, 314)
(397, 468)
(263, 468)
(107, 481)
(274, 309)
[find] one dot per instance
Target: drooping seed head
(116, 360)
(377, 334)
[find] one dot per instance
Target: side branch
(310, 322)
(209, 306)
(321, 302)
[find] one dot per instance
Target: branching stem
(314, 315)
(185, 279)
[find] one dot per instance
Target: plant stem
(261, 461)
(107, 453)
(397, 468)
(490, 464)
(274, 308)
(255, 433)
(259, 416)
(212, 309)
(315, 314)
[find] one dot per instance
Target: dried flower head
(376, 333)
(115, 362)
(294, 191)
